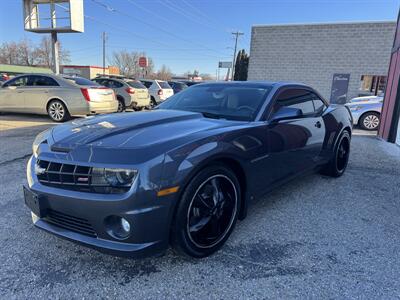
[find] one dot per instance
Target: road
(317, 237)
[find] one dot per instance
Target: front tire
(370, 121)
(207, 212)
(57, 111)
(338, 163)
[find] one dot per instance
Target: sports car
(182, 174)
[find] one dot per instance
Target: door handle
(20, 91)
(318, 124)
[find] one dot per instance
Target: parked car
(130, 93)
(366, 114)
(366, 98)
(56, 96)
(190, 82)
(159, 90)
(177, 86)
(185, 172)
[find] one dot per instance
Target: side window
(37, 80)
(295, 98)
(319, 105)
(147, 84)
(118, 84)
(17, 82)
(103, 82)
(114, 84)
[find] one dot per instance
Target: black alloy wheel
(338, 163)
(207, 212)
(342, 154)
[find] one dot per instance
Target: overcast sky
(187, 34)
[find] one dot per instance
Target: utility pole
(104, 52)
(54, 41)
(236, 34)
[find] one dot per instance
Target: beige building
(88, 72)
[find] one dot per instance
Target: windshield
(232, 102)
(135, 84)
(164, 84)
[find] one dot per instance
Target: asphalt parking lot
(316, 238)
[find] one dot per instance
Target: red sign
(143, 62)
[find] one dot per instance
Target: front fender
(182, 164)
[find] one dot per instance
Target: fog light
(117, 227)
(125, 225)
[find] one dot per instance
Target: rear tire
(370, 121)
(57, 111)
(338, 163)
(121, 105)
(153, 102)
(207, 212)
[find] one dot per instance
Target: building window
(372, 85)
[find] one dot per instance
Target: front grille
(69, 222)
(72, 177)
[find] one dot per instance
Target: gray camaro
(182, 174)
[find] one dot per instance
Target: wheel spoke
(216, 191)
(203, 201)
(200, 224)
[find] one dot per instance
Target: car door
(295, 143)
(40, 89)
(12, 94)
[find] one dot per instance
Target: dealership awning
(14, 69)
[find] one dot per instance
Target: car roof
(256, 83)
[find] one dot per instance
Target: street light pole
(104, 52)
(236, 34)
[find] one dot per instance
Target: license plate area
(34, 202)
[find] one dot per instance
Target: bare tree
(206, 76)
(8, 53)
(26, 54)
(128, 64)
(164, 73)
(44, 54)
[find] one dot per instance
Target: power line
(130, 33)
(111, 9)
(203, 15)
(186, 14)
(148, 11)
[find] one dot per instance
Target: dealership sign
(225, 64)
(143, 62)
(340, 86)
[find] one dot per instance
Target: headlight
(40, 138)
(355, 108)
(113, 177)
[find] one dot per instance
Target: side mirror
(286, 113)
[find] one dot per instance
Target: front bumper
(148, 215)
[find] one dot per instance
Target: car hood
(136, 130)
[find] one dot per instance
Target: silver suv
(130, 93)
